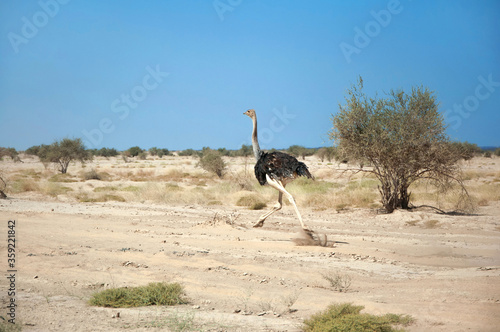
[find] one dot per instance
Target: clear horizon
(179, 75)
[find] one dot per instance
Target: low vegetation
(347, 317)
(159, 293)
(225, 177)
(338, 281)
(177, 180)
(211, 161)
(6, 326)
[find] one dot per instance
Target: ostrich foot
(310, 238)
(259, 224)
(309, 233)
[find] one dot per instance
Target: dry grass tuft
(94, 175)
(430, 224)
(339, 282)
(23, 185)
(251, 200)
(67, 178)
(88, 198)
(483, 194)
(222, 219)
(53, 189)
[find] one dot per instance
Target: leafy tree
(223, 151)
(245, 150)
(62, 153)
(10, 152)
(211, 161)
(402, 136)
(163, 152)
(154, 151)
(134, 151)
(188, 152)
(467, 150)
(327, 153)
(34, 150)
(297, 151)
(107, 152)
(104, 152)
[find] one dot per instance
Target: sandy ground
(239, 278)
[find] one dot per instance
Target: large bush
(401, 136)
(9, 152)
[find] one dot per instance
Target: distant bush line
(469, 151)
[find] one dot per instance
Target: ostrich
(276, 169)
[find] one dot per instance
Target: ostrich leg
(275, 208)
(279, 186)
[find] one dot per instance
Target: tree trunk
(2, 194)
(394, 195)
(64, 166)
(404, 198)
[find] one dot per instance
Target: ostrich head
(250, 113)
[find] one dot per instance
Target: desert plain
(167, 220)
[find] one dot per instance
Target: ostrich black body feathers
(279, 166)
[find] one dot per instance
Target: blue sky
(179, 74)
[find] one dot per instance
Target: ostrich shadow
(312, 238)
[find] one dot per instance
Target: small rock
(196, 307)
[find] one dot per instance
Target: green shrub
(347, 317)
(134, 151)
(159, 293)
(211, 161)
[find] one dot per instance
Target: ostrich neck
(255, 141)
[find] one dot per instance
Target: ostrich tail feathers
(302, 170)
